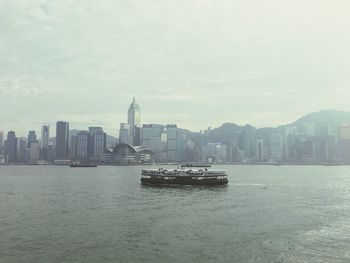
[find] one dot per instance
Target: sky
(197, 63)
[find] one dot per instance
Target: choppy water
(265, 214)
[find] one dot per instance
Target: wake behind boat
(184, 177)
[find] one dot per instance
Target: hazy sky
(196, 63)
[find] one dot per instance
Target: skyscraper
(134, 118)
(1, 141)
(45, 135)
(97, 143)
(62, 135)
(82, 145)
(31, 137)
(125, 135)
(344, 143)
(11, 147)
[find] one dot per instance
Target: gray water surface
(104, 214)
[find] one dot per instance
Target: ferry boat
(184, 177)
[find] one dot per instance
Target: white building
(134, 118)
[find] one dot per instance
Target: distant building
(62, 135)
(154, 137)
(1, 142)
(45, 135)
(134, 118)
(248, 142)
(259, 149)
(215, 153)
(82, 139)
(11, 147)
(125, 134)
(344, 143)
(97, 143)
(309, 128)
(172, 136)
(31, 137)
(22, 151)
(276, 147)
(126, 153)
(34, 152)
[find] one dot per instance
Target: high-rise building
(62, 135)
(45, 135)
(11, 146)
(152, 138)
(276, 147)
(31, 137)
(134, 118)
(22, 151)
(172, 133)
(259, 149)
(1, 141)
(125, 135)
(34, 155)
(249, 135)
(344, 143)
(82, 145)
(97, 143)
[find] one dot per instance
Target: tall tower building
(82, 139)
(11, 147)
(62, 135)
(45, 135)
(31, 138)
(134, 118)
(1, 141)
(97, 143)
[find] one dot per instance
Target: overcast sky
(197, 63)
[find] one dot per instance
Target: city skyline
(115, 133)
(259, 62)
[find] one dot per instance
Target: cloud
(197, 63)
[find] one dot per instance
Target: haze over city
(194, 63)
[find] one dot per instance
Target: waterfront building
(276, 147)
(154, 138)
(97, 143)
(11, 147)
(172, 136)
(248, 136)
(45, 135)
(125, 135)
(31, 137)
(344, 143)
(259, 149)
(134, 118)
(34, 155)
(82, 139)
(214, 153)
(62, 135)
(1, 142)
(22, 151)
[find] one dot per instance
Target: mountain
(333, 118)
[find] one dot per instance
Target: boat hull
(183, 180)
